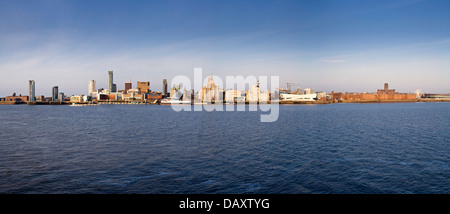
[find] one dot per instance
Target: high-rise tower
(31, 86)
(91, 87)
(128, 86)
(55, 93)
(164, 87)
(110, 81)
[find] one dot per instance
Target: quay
(158, 102)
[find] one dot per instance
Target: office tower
(128, 86)
(110, 81)
(32, 91)
(164, 91)
(91, 87)
(55, 93)
(114, 88)
(61, 96)
(144, 87)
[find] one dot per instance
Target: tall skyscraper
(55, 93)
(31, 90)
(164, 87)
(91, 87)
(110, 81)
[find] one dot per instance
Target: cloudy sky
(341, 45)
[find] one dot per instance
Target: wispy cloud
(390, 51)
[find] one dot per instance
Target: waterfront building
(164, 91)
(255, 95)
(40, 98)
(61, 96)
(321, 95)
(144, 87)
(31, 86)
(186, 95)
(264, 97)
(110, 96)
(91, 87)
(133, 94)
(154, 96)
(308, 91)
(15, 98)
(128, 86)
(114, 88)
(232, 96)
(381, 95)
(76, 99)
(55, 93)
(210, 92)
(386, 90)
(110, 81)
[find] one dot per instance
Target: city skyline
(326, 45)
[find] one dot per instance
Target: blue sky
(326, 45)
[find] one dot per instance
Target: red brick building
(386, 90)
(17, 98)
(381, 95)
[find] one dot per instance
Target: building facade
(381, 95)
(144, 87)
(164, 89)
(110, 80)
(210, 92)
(128, 86)
(91, 87)
(55, 93)
(31, 86)
(386, 90)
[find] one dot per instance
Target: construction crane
(288, 86)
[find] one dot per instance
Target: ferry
(170, 101)
(298, 97)
(89, 104)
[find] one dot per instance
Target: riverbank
(279, 102)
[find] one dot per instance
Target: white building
(232, 96)
(91, 87)
(210, 92)
(255, 95)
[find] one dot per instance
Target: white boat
(169, 101)
(298, 97)
(89, 104)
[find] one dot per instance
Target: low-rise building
(232, 96)
(15, 98)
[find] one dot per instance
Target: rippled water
(338, 148)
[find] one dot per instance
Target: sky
(327, 45)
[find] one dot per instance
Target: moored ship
(170, 101)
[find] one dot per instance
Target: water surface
(337, 148)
